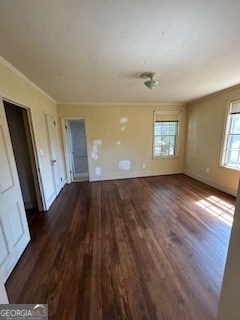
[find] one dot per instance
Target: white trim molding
(9, 66)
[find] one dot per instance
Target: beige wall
(206, 122)
(111, 139)
(18, 89)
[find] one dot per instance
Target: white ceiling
(95, 50)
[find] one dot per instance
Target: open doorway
(76, 149)
(19, 125)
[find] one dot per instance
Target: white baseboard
(211, 183)
(132, 175)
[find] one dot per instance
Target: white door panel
(54, 155)
(3, 245)
(3, 293)
(14, 232)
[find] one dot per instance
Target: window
(165, 137)
(231, 146)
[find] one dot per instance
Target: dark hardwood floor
(145, 248)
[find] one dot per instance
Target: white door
(14, 232)
(3, 293)
(53, 149)
(78, 147)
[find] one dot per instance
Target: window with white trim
(166, 133)
(231, 145)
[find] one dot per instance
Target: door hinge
(70, 172)
(54, 122)
(66, 127)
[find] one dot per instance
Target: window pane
(173, 128)
(172, 145)
(235, 128)
(157, 151)
(158, 141)
(157, 128)
(233, 142)
(165, 128)
(165, 145)
(231, 151)
(232, 158)
(165, 133)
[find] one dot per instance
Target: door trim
(66, 147)
(36, 175)
(14, 227)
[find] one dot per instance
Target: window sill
(229, 167)
(165, 157)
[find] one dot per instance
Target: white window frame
(168, 116)
(233, 109)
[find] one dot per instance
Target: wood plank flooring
(145, 248)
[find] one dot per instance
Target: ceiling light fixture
(150, 83)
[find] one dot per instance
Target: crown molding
(18, 73)
(121, 104)
(214, 94)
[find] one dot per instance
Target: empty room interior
(120, 158)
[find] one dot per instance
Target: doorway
(76, 155)
(18, 120)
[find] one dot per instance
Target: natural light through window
(218, 208)
(231, 147)
(166, 134)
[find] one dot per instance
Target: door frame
(67, 147)
(36, 173)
